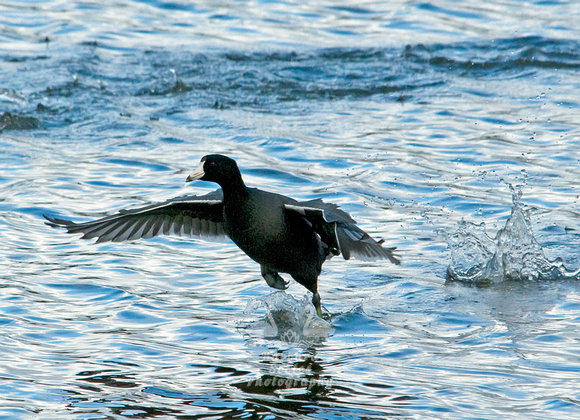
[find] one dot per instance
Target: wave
(267, 80)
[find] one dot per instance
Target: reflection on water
(411, 116)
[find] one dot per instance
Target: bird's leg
(316, 302)
(310, 281)
(273, 279)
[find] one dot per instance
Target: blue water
(420, 119)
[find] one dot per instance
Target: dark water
(450, 129)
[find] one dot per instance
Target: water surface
(415, 117)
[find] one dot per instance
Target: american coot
(278, 232)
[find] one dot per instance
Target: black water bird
(278, 232)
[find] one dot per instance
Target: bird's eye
(212, 164)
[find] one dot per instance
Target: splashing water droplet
(514, 253)
(291, 321)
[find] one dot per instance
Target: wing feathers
(339, 231)
(203, 216)
(189, 215)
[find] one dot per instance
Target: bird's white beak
(197, 174)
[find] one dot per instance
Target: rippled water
(415, 117)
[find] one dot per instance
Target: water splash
(292, 321)
(514, 253)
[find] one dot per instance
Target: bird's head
(216, 168)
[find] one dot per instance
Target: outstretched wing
(187, 215)
(340, 232)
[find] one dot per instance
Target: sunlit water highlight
(414, 117)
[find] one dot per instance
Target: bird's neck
(235, 191)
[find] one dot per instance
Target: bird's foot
(317, 305)
(274, 280)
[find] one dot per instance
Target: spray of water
(292, 321)
(514, 253)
